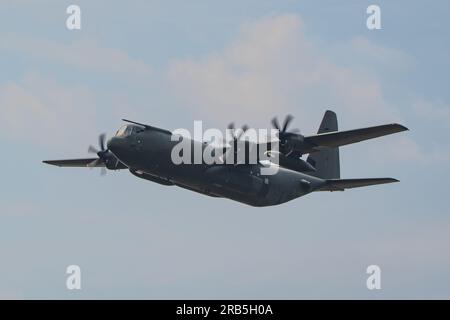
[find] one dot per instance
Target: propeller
(236, 134)
(286, 123)
(287, 137)
(102, 154)
(283, 133)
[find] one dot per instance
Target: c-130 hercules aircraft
(146, 152)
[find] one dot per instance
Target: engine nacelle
(295, 141)
(112, 163)
(292, 163)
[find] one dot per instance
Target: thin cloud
(372, 53)
(84, 53)
(273, 68)
(436, 111)
(38, 110)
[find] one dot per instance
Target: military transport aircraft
(146, 152)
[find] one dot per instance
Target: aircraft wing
(342, 184)
(82, 163)
(341, 138)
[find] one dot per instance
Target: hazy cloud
(372, 53)
(84, 53)
(403, 149)
(273, 68)
(39, 110)
(432, 111)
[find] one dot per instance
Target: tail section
(326, 161)
(324, 154)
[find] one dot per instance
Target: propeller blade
(287, 121)
(236, 134)
(101, 141)
(231, 130)
(239, 134)
(93, 163)
(275, 123)
(103, 171)
(92, 149)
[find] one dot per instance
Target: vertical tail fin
(326, 161)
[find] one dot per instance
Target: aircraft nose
(114, 144)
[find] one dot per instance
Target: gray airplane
(146, 152)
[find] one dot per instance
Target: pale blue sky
(168, 63)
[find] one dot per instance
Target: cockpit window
(121, 131)
(125, 131)
(128, 130)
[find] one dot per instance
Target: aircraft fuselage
(147, 154)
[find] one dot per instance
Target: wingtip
(401, 127)
(49, 162)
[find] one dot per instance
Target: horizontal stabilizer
(82, 163)
(341, 138)
(342, 184)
